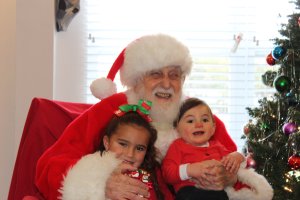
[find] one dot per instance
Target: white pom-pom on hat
(141, 56)
(103, 87)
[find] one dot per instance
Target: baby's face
(196, 126)
(129, 143)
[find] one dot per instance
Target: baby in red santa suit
(196, 126)
(152, 68)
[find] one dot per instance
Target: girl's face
(129, 143)
(196, 126)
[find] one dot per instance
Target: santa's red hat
(143, 55)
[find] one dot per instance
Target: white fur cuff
(87, 178)
(260, 188)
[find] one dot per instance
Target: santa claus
(154, 68)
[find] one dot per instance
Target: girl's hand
(122, 187)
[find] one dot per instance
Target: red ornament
(251, 163)
(270, 60)
(246, 129)
(294, 162)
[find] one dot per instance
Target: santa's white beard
(163, 116)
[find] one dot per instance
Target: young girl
(196, 126)
(130, 139)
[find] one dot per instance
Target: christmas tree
(272, 136)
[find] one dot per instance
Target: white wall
(32, 56)
(69, 55)
(7, 92)
(27, 29)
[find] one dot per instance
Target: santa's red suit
(85, 175)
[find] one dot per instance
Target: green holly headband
(142, 109)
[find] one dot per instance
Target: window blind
(227, 80)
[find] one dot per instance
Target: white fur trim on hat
(260, 188)
(103, 87)
(87, 178)
(143, 55)
(153, 52)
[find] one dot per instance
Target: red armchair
(45, 122)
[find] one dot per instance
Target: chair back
(45, 122)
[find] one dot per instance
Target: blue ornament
(291, 98)
(278, 52)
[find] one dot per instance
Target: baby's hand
(232, 162)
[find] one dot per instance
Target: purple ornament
(289, 128)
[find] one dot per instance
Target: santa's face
(129, 143)
(196, 125)
(163, 85)
(163, 88)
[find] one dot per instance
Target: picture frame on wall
(66, 10)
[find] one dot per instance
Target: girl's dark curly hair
(150, 163)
